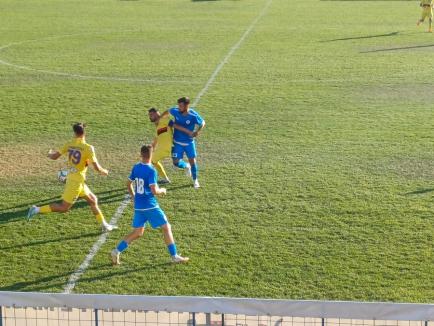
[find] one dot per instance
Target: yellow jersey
(80, 155)
(164, 133)
(426, 2)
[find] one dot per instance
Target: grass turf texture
(315, 163)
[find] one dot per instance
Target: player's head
(146, 153)
(78, 129)
(153, 114)
(183, 104)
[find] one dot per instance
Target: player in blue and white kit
(187, 125)
(143, 187)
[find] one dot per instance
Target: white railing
(103, 309)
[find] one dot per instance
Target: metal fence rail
(43, 309)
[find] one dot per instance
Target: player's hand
(51, 152)
(104, 172)
(163, 191)
(195, 134)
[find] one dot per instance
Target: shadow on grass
(59, 280)
(419, 191)
(175, 188)
(50, 200)
(104, 197)
(46, 241)
(400, 48)
(361, 37)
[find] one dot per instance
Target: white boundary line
(231, 52)
(73, 279)
(80, 76)
(95, 248)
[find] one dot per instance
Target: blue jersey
(143, 176)
(188, 121)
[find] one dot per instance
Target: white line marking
(102, 239)
(81, 76)
(95, 248)
(234, 48)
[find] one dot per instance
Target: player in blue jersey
(187, 125)
(143, 187)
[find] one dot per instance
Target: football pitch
(316, 164)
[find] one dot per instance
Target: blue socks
(122, 246)
(194, 171)
(172, 249)
(181, 164)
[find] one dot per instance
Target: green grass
(315, 163)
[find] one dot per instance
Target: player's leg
(62, 207)
(123, 244)
(177, 155)
(430, 20)
(70, 195)
(92, 200)
(139, 221)
(422, 18)
(191, 154)
(158, 219)
(157, 157)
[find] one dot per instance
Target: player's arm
(178, 127)
(130, 188)
(199, 130)
(98, 168)
(154, 143)
(53, 155)
(157, 191)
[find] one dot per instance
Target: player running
(162, 143)
(142, 186)
(80, 155)
(187, 125)
(426, 12)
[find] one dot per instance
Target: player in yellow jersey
(79, 155)
(163, 141)
(426, 12)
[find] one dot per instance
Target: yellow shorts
(161, 154)
(73, 190)
(426, 13)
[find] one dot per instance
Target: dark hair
(146, 150)
(79, 128)
(152, 110)
(185, 100)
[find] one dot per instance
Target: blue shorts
(154, 216)
(178, 150)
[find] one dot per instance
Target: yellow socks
(100, 218)
(45, 209)
(160, 169)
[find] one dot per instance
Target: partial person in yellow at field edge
(426, 6)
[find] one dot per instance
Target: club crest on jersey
(187, 122)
